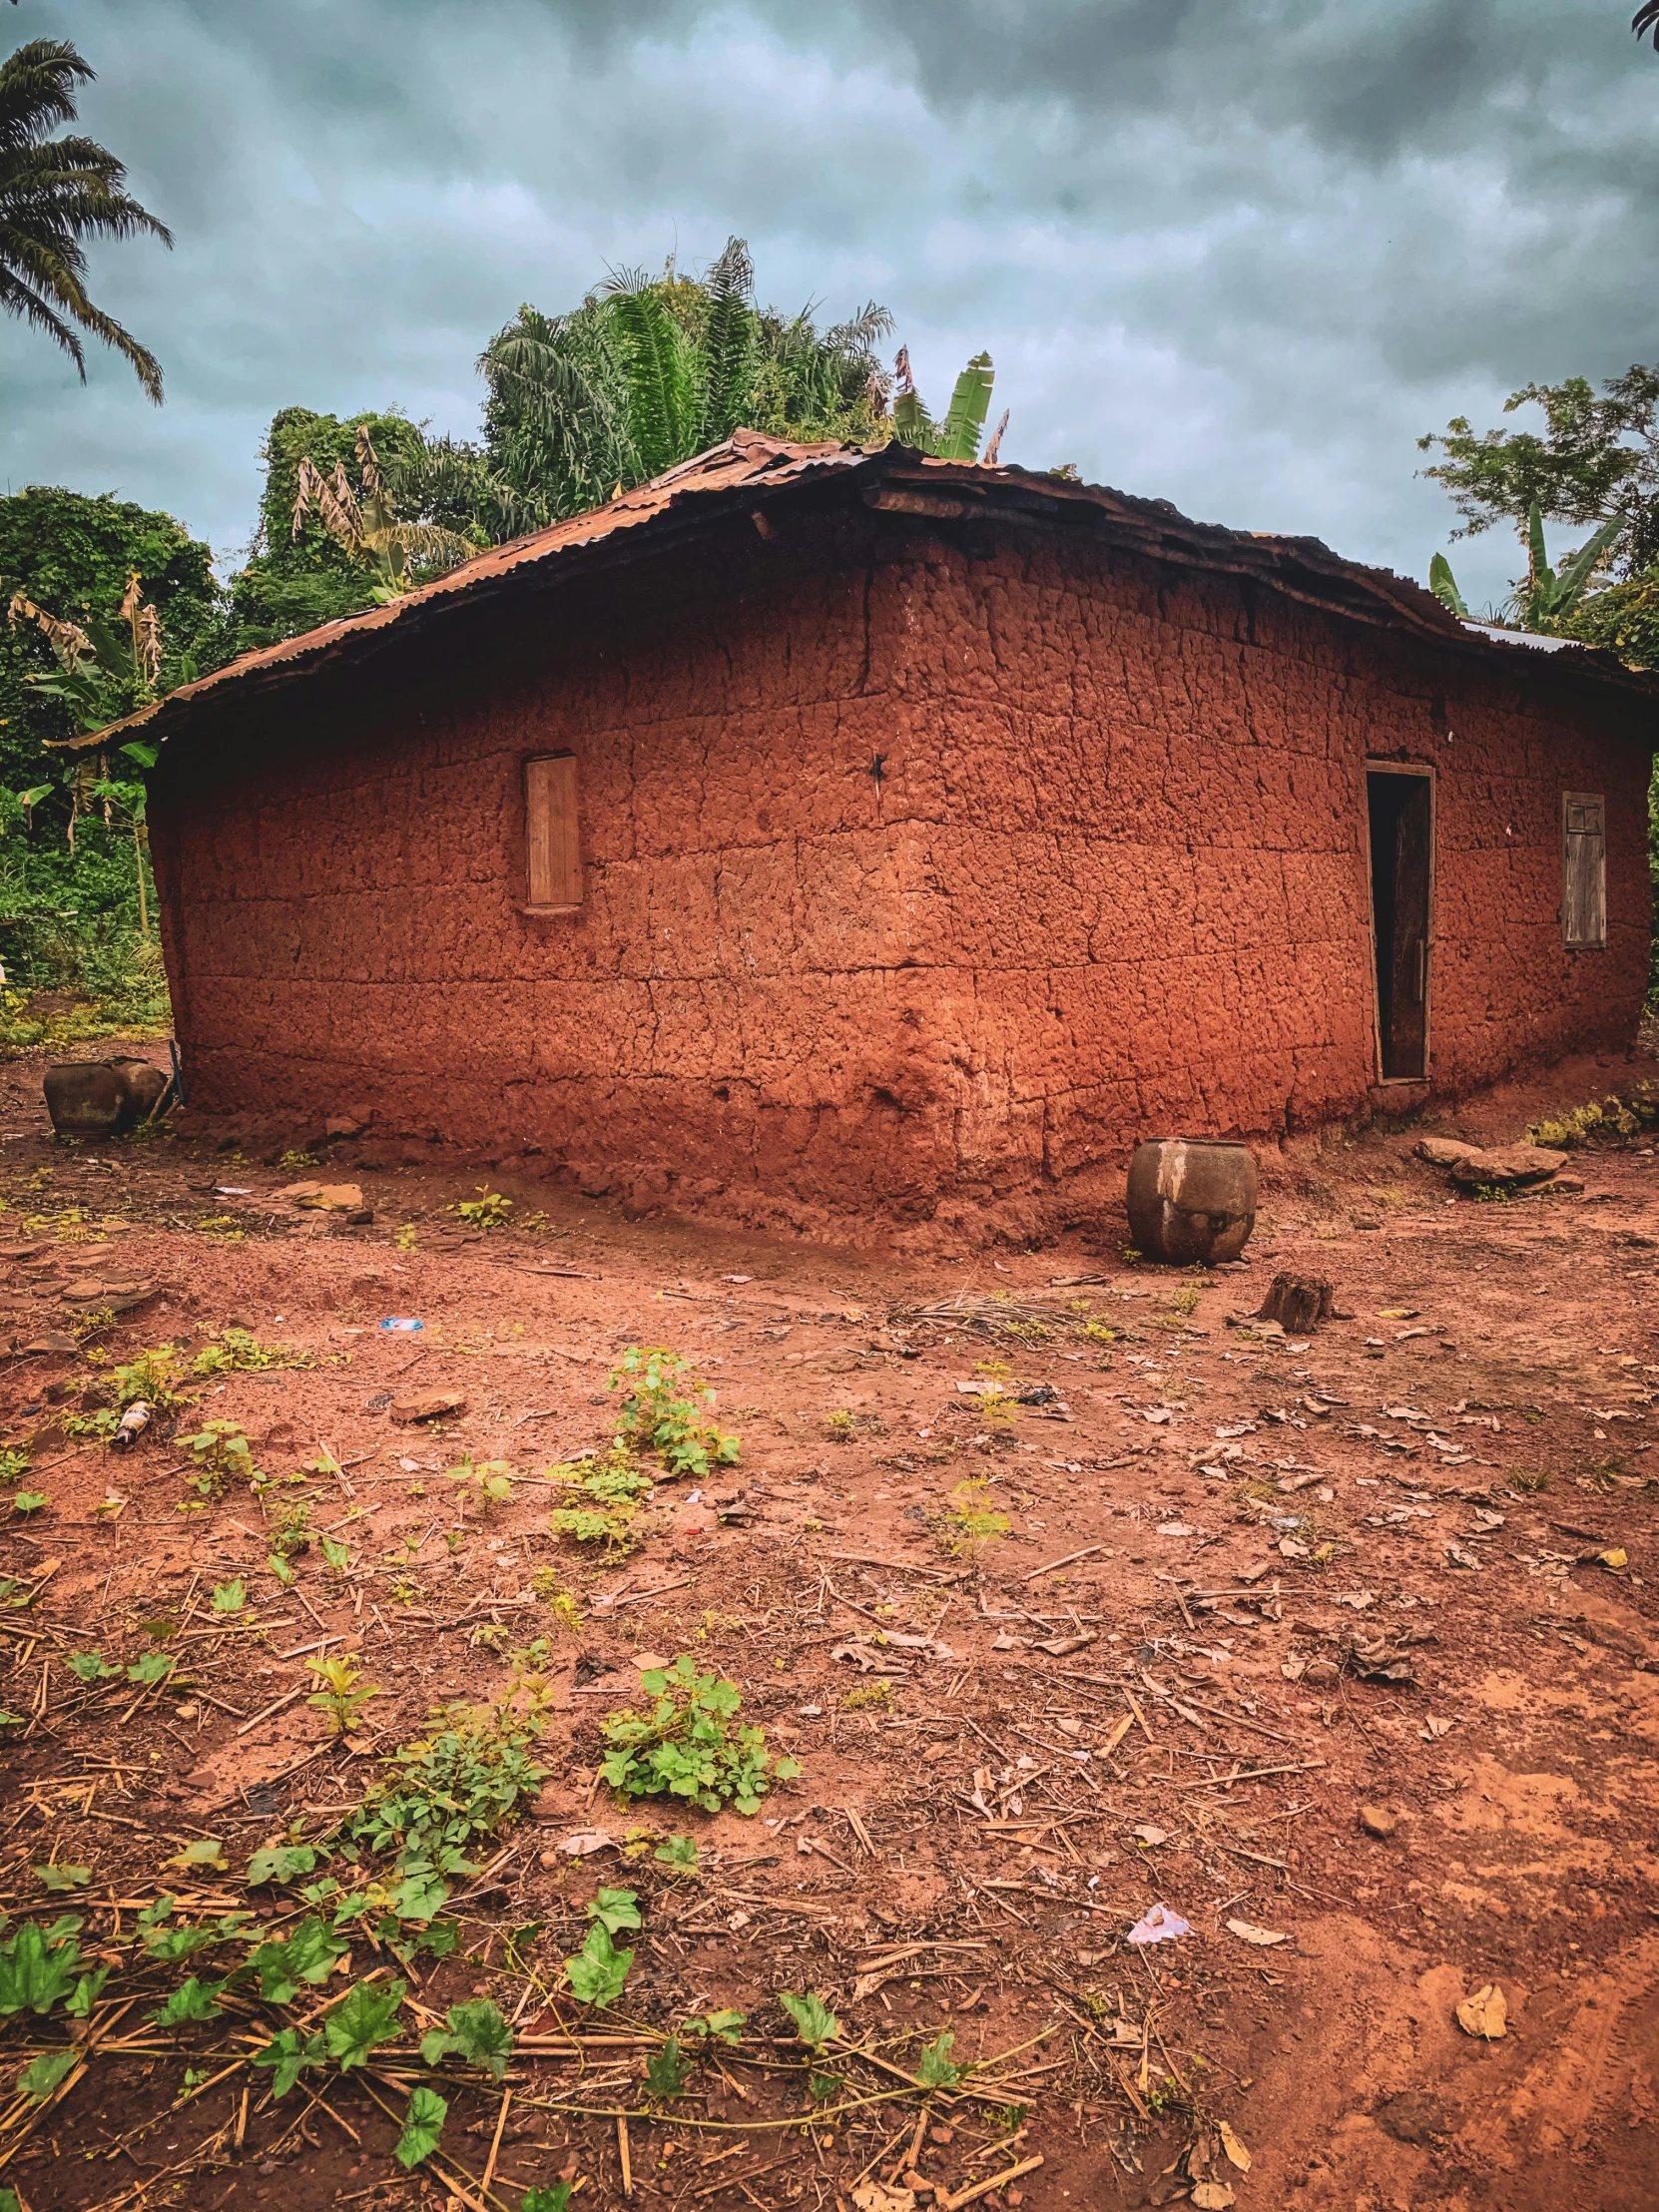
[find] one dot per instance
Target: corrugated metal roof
(749, 467)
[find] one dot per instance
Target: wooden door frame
(1427, 771)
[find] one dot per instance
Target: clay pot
(1191, 1199)
(100, 1098)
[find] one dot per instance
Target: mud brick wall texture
(1111, 880)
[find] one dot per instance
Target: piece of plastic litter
(1158, 1927)
(397, 1322)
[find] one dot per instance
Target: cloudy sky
(1237, 253)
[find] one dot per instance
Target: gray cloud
(1236, 252)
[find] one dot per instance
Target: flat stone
(1443, 1152)
(1509, 1163)
(1377, 1821)
(421, 1406)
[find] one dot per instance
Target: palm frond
(1646, 20)
(1577, 571)
(69, 644)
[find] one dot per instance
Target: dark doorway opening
(1402, 809)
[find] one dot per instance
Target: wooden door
(1402, 812)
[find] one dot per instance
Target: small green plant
(489, 1210)
(666, 1410)
(90, 1666)
(30, 1502)
(223, 1456)
(999, 1409)
(342, 1692)
(1601, 1122)
(280, 1862)
(404, 1240)
(558, 1600)
(14, 1464)
(598, 1971)
(229, 1597)
(813, 2021)
(677, 1854)
(1097, 1332)
(838, 1425)
(477, 2033)
(239, 1352)
(1493, 1194)
(483, 1484)
(716, 2027)
(605, 1499)
(668, 2071)
(686, 1747)
(58, 1877)
(39, 1966)
(556, 2199)
(934, 2069)
(969, 1522)
(422, 2125)
(867, 1697)
(291, 1161)
(1131, 1256)
(1185, 1299)
(445, 1792)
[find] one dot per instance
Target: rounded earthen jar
(1191, 1198)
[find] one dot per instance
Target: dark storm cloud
(1235, 252)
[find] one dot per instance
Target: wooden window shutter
(1583, 869)
(550, 825)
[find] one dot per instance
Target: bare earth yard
(1345, 1642)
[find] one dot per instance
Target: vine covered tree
(56, 193)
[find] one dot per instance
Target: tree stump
(1297, 1302)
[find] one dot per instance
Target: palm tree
(55, 194)
(363, 522)
(1646, 19)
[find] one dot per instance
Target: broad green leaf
(59, 1879)
(678, 1851)
(555, 2199)
(155, 1666)
(616, 1910)
(79, 2003)
(206, 1851)
(339, 1559)
(420, 1897)
(229, 1597)
(598, 1970)
(192, 2000)
(90, 1666)
(478, 2033)
(1444, 585)
(280, 1568)
(814, 2020)
(958, 435)
(367, 2016)
(422, 2125)
(38, 1965)
(728, 2026)
(822, 2086)
(39, 2079)
(934, 2067)
(667, 2070)
(307, 1955)
(288, 2053)
(30, 1502)
(279, 1862)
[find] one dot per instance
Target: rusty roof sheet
(751, 466)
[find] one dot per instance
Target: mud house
(816, 833)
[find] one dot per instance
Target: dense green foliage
(1596, 459)
(649, 371)
(299, 577)
(55, 195)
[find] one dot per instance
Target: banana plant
(957, 438)
(1547, 597)
(363, 520)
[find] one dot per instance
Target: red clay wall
(1112, 878)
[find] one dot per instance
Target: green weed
(240, 1352)
(489, 1210)
(969, 1522)
(867, 1696)
(342, 1692)
(223, 1456)
(687, 1747)
(605, 1499)
(558, 1600)
(482, 1483)
(666, 1410)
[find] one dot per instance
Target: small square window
(555, 853)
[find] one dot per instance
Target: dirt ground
(1340, 1648)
